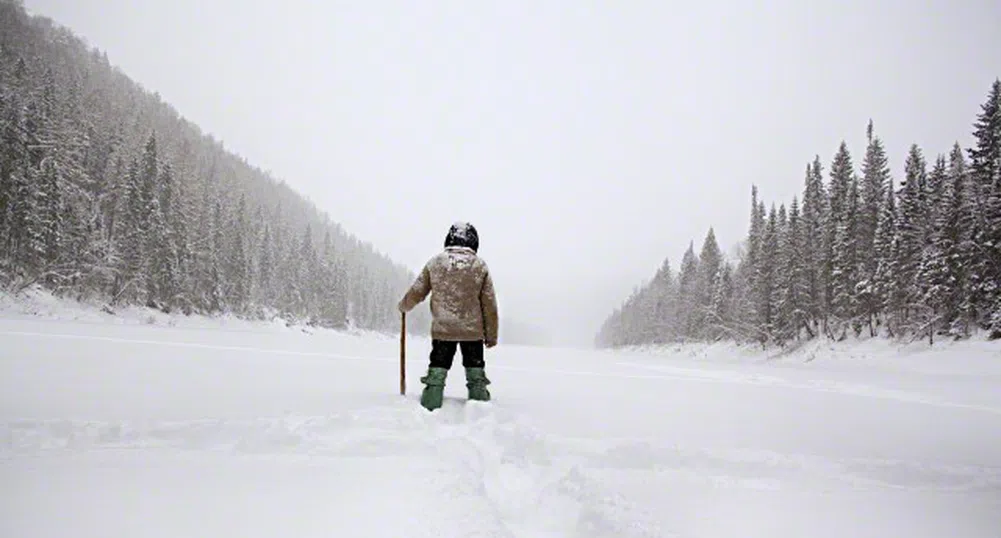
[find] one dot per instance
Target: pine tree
(132, 230)
(336, 282)
(147, 218)
(934, 277)
(794, 277)
(159, 258)
(176, 248)
(236, 260)
(985, 170)
(26, 221)
(766, 279)
(709, 267)
(815, 210)
(746, 285)
(265, 267)
(954, 229)
(782, 281)
(305, 271)
(664, 289)
(846, 266)
(647, 323)
(51, 212)
(754, 234)
(957, 233)
(720, 309)
(875, 181)
(687, 290)
(217, 273)
(886, 295)
(911, 230)
(836, 227)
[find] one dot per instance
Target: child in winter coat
(463, 311)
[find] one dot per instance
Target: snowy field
(153, 426)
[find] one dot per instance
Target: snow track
(149, 431)
(513, 463)
(507, 470)
(511, 478)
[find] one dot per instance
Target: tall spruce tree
(767, 298)
(911, 230)
(687, 292)
(665, 311)
(886, 293)
(815, 215)
(955, 234)
(875, 181)
(934, 278)
(985, 170)
(709, 267)
(237, 263)
(841, 175)
(796, 284)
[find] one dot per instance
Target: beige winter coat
(463, 304)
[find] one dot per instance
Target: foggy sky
(587, 141)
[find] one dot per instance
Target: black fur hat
(463, 234)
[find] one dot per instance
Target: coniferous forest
(106, 192)
(861, 253)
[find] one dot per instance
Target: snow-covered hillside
(147, 425)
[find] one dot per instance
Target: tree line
(107, 192)
(859, 254)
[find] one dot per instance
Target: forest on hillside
(861, 254)
(107, 192)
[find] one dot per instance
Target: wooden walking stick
(403, 354)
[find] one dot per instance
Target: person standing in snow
(463, 312)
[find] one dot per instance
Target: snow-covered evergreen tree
(955, 231)
(794, 277)
(237, 263)
(688, 292)
(265, 268)
(887, 295)
(837, 271)
(815, 215)
(934, 279)
(720, 317)
(911, 230)
(766, 279)
(985, 170)
(875, 181)
(664, 289)
(216, 263)
(710, 267)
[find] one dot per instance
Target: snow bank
(39, 304)
(975, 355)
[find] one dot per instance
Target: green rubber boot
(476, 382)
(435, 381)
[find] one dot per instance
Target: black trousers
(443, 352)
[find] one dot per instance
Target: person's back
(463, 310)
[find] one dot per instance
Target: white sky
(585, 140)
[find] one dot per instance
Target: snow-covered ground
(151, 425)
